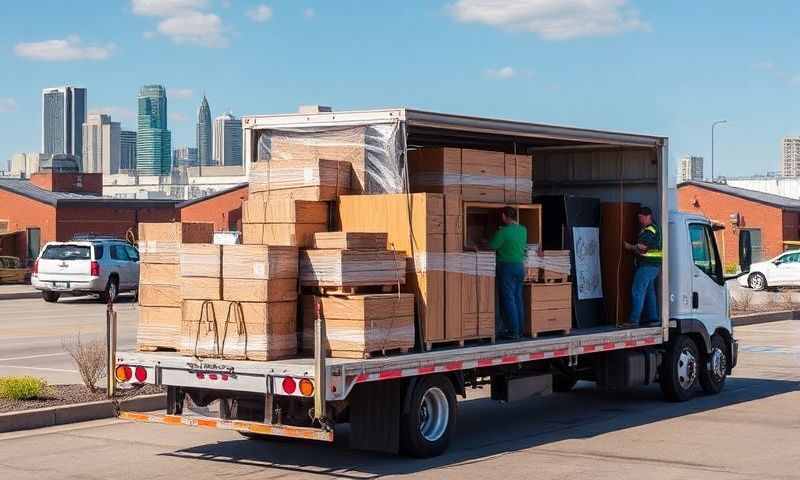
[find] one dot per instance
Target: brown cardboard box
(159, 295)
(159, 273)
(351, 240)
(259, 262)
(296, 234)
(302, 179)
(351, 268)
(201, 288)
(254, 290)
(159, 242)
(201, 260)
(158, 328)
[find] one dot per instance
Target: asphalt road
(749, 431)
(32, 331)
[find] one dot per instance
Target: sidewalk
(13, 292)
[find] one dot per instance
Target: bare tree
(743, 301)
(89, 357)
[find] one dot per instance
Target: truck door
(709, 295)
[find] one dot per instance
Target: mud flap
(375, 410)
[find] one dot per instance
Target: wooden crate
(239, 330)
(415, 226)
(475, 175)
(159, 242)
(201, 288)
(281, 221)
(481, 221)
(548, 308)
(159, 295)
(301, 179)
(361, 326)
(351, 240)
(259, 290)
(201, 260)
(158, 328)
(351, 268)
(259, 262)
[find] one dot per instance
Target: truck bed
(173, 369)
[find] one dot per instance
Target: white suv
(101, 266)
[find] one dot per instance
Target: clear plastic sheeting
(351, 268)
(480, 264)
(551, 260)
(374, 151)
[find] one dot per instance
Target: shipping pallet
(553, 277)
(357, 290)
(366, 355)
(461, 342)
(565, 331)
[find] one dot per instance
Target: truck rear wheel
(50, 297)
(430, 417)
(715, 367)
(680, 369)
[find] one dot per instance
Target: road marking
(61, 370)
(33, 356)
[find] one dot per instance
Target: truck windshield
(66, 252)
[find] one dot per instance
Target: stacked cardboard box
(358, 326)
(301, 179)
(281, 221)
(351, 268)
(159, 280)
(201, 272)
(548, 308)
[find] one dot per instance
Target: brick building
(223, 208)
(54, 206)
(768, 220)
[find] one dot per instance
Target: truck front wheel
(715, 367)
(680, 369)
(429, 419)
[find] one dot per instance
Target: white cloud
(503, 73)
(166, 8)
(260, 14)
(196, 28)
(178, 117)
(63, 50)
(8, 105)
(179, 93)
(117, 113)
(309, 12)
(552, 19)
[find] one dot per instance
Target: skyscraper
(185, 156)
(790, 164)
(127, 146)
(101, 145)
(63, 115)
(153, 140)
(691, 168)
(228, 140)
(204, 133)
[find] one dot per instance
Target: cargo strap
(235, 316)
(208, 316)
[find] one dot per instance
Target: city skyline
(227, 140)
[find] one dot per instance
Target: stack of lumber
(351, 268)
(201, 272)
(549, 266)
(301, 179)
(475, 175)
(282, 221)
(351, 240)
(254, 316)
(159, 280)
(548, 308)
(361, 326)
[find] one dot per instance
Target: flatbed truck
(407, 402)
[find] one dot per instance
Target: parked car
(96, 266)
(12, 271)
(781, 271)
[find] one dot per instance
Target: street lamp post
(712, 145)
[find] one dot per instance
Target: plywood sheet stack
(254, 315)
(478, 294)
(159, 280)
(549, 266)
(548, 308)
(308, 178)
(360, 326)
(340, 267)
(282, 221)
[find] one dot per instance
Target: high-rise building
(790, 164)
(127, 147)
(204, 133)
(228, 140)
(185, 156)
(691, 168)
(101, 145)
(24, 164)
(153, 140)
(63, 115)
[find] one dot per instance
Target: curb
(80, 412)
(766, 317)
(20, 295)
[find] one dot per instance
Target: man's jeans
(509, 287)
(643, 293)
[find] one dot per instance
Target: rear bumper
(259, 428)
(94, 285)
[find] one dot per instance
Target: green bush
(731, 268)
(22, 388)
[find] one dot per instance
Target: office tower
(153, 140)
(185, 156)
(790, 166)
(101, 145)
(63, 115)
(691, 168)
(227, 140)
(127, 146)
(204, 133)
(24, 164)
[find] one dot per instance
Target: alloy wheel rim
(434, 414)
(687, 368)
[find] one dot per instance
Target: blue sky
(646, 66)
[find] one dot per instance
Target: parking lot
(33, 332)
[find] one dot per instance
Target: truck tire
(680, 369)
(714, 370)
(757, 281)
(50, 297)
(429, 420)
(111, 291)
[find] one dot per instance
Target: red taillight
(289, 385)
(95, 269)
(35, 270)
(123, 373)
(141, 374)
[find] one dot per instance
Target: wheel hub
(434, 414)
(687, 368)
(719, 364)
